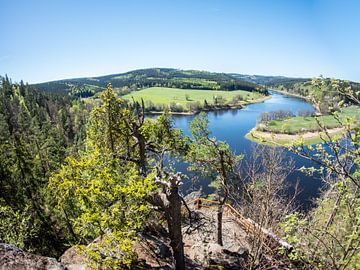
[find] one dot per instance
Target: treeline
(328, 95)
(37, 132)
(160, 77)
(266, 117)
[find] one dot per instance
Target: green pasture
(166, 96)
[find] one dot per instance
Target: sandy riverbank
(288, 139)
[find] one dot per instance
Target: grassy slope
(163, 95)
(300, 124)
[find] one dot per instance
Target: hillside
(322, 92)
(143, 78)
(266, 80)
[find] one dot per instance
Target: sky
(44, 40)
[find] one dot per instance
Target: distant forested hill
(322, 92)
(267, 80)
(142, 78)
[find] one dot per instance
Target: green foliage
(104, 189)
(102, 200)
(329, 237)
(209, 156)
(14, 225)
(326, 94)
(83, 90)
(36, 131)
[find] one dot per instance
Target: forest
(125, 83)
(99, 177)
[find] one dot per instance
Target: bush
(176, 107)
(236, 99)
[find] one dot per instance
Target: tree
(215, 159)
(265, 200)
(33, 142)
(329, 236)
(109, 188)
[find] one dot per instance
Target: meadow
(183, 98)
(299, 124)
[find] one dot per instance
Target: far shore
(290, 94)
(217, 108)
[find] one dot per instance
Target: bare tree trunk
(219, 224)
(174, 224)
(171, 205)
(224, 186)
(141, 143)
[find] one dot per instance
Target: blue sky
(44, 40)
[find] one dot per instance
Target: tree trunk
(219, 224)
(220, 210)
(141, 141)
(171, 205)
(174, 225)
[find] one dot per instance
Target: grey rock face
(14, 258)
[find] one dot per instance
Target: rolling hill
(153, 77)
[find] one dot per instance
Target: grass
(166, 96)
(285, 132)
(299, 124)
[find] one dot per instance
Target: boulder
(14, 258)
(73, 259)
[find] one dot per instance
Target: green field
(285, 132)
(183, 97)
(299, 124)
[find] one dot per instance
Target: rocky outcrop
(153, 248)
(73, 259)
(13, 258)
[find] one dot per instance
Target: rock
(73, 260)
(192, 196)
(163, 251)
(14, 258)
(218, 256)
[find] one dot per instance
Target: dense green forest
(97, 177)
(37, 132)
(143, 78)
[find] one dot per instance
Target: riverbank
(291, 94)
(287, 131)
(215, 108)
(280, 139)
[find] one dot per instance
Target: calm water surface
(232, 125)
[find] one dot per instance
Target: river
(232, 125)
